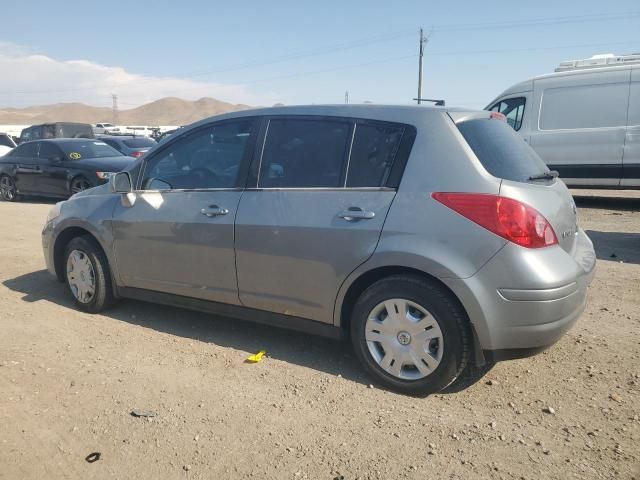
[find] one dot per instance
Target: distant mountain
(166, 111)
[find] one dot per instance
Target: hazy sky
(262, 52)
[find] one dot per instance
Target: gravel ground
(69, 381)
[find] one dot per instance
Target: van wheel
(88, 275)
(8, 189)
(410, 334)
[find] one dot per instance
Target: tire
(471, 375)
(78, 184)
(8, 189)
(89, 262)
(436, 347)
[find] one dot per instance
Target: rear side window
(372, 154)
(139, 143)
(25, 150)
(502, 152)
(304, 153)
(586, 106)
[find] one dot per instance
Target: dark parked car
(129, 145)
(56, 130)
(58, 167)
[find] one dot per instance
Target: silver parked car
(435, 238)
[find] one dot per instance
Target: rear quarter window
(502, 152)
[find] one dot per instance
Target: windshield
(502, 152)
(88, 149)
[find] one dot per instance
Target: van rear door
(581, 125)
(631, 160)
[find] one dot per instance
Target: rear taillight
(517, 222)
(137, 154)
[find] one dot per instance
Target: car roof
(371, 111)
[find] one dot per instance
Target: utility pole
(346, 96)
(114, 109)
(423, 42)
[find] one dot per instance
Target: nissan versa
(435, 238)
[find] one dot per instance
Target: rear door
(314, 212)
(581, 126)
(178, 235)
(631, 160)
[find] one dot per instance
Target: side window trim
(393, 177)
(244, 163)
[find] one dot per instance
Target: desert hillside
(166, 111)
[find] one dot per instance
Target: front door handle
(213, 211)
(356, 213)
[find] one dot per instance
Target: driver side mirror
(120, 183)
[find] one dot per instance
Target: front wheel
(410, 334)
(8, 189)
(79, 184)
(88, 275)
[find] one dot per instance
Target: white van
(583, 120)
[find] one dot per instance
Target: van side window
(304, 153)
(585, 106)
(372, 154)
(513, 109)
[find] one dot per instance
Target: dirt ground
(69, 380)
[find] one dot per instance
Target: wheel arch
(367, 278)
(61, 242)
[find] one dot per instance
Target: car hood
(99, 190)
(107, 164)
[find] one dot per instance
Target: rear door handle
(213, 211)
(356, 213)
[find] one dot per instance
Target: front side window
(372, 153)
(513, 109)
(208, 158)
(304, 153)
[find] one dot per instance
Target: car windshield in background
(88, 149)
(139, 143)
(502, 152)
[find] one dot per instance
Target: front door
(54, 169)
(178, 235)
(27, 167)
(317, 212)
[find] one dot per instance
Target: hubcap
(404, 339)
(7, 188)
(80, 275)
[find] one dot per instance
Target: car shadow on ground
(38, 200)
(616, 246)
(627, 204)
(329, 356)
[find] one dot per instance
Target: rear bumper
(523, 300)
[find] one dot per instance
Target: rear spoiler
(458, 117)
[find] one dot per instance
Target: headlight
(104, 175)
(54, 212)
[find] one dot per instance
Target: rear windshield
(139, 143)
(502, 152)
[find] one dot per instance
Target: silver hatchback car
(434, 238)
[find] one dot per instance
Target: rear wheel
(79, 184)
(8, 189)
(88, 275)
(410, 334)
